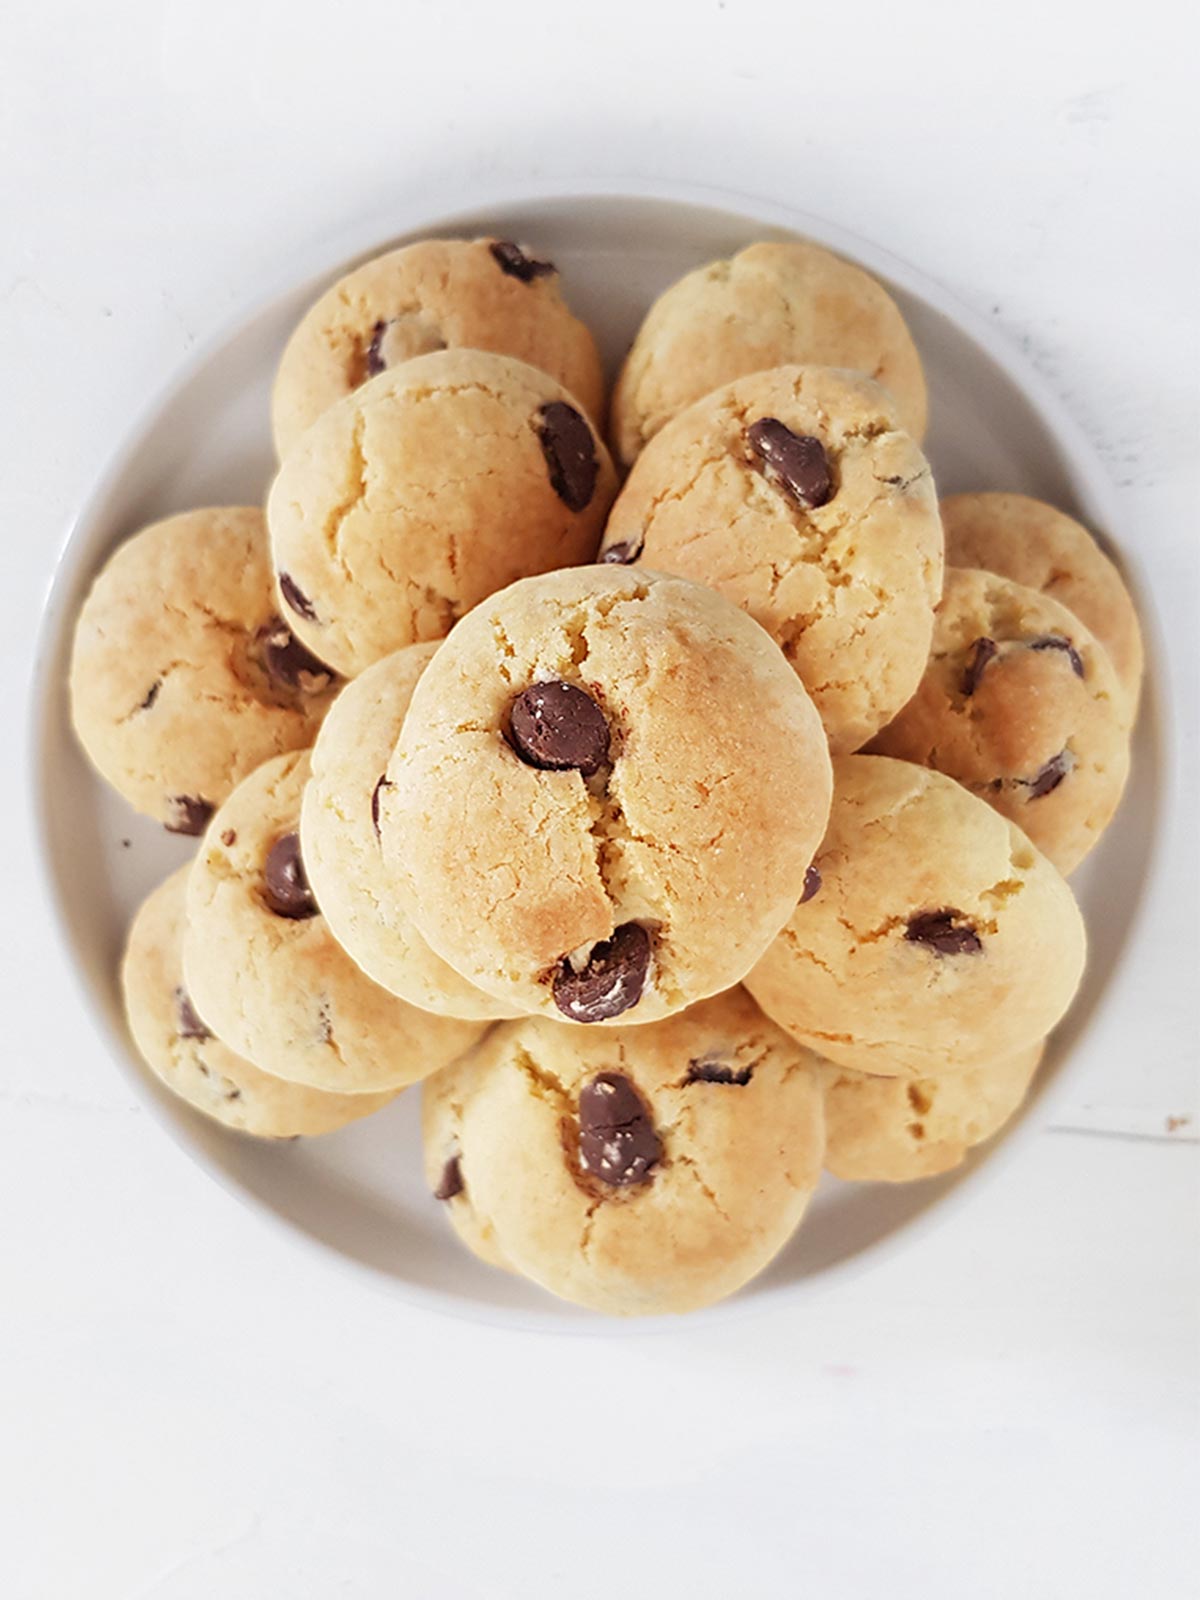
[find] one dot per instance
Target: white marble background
(191, 1407)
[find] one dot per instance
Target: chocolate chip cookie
(1032, 543)
(438, 294)
(266, 974)
(339, 836)
(632, 1170)
(893, 1130)
(771, 305)
(605, 796)
(184, 675)
(1022, 706)
(190, 1060)
(937, 938)
(797, 494)
(424, 491)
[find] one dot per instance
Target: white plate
(358, 1193)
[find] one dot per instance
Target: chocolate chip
(286, 661)
(375, 794)
(1050, 776)
(451, 1181)
(151, 695)
(978, 656)
(189, 814)
(229, 837)
(947, 933)
(1057, 641)
(374, 359)
(570, 453)
(793, 462)
(611, 982)
(617, 1139)
(717, 1072)
(285, 885)
(189, 1024)
(296, 598)
(812, 882)
(511, 259)
(621, 555)
(559, 728)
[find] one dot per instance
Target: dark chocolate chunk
(151, 695)
(375, 363)
(618, 1143)
(793, 462)
(1058, 641)
(570, 452)
(286, 661)
(189, 814)
(947, 933)
(1050, 776)
(559, 728)
(511, 259)
(375, 794)
(812, 882)
(189, 1024)
(285, 885)
(451, 1181)
(978, 656)
(611, 982)
(717, 1072)
(296, 598)
(621, 555)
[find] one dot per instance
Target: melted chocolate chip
(793, 462)
(1050, 776)
(151, 695)
(375, 363)
(189, 814)
(978, 656)
(451, 1181)
(812, 882)
(559, 728)
(285, 885)
(287, 663)
(375, 794)
(717, 1072)
(188, 1023)
(511, 259)
(621, 555)
(947, 933)
(1058, 641)
(618, 1143)
(570, 452)
(296, 598)
(611, 982)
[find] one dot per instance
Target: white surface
(188, 1407)
(362, 1193)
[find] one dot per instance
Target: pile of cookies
(684, 835)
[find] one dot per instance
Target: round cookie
(633, 1170)
(795, 493)
(339, 840)
(193, 1064)
(267, 975)
(183, 675)
(605, 796)
(426, 490)
(893, 1130)
(1022, 706)
(771, 305)
(934, 937)
(437, 294)
(1032, 543)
